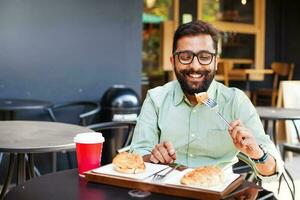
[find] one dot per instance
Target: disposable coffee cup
(88, 151)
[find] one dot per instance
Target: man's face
(195, 77)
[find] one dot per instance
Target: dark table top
(274, 113)
(37, 136)
(68, 185)
(22, 104)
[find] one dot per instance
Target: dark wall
(282, 33)
(291, 30)
(61, 50)
(281, 41)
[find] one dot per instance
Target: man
(173, 127)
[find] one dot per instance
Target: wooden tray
(173, 190)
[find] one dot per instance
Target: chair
(222, 72)
(86, 109)
(290, 147)
(84, 112)
(117, 134)
(289, 98)
(281, 71)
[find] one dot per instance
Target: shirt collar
(179, 95)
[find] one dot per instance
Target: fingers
(241, 136)
(163, 153)
(171, 150)
(234, 124)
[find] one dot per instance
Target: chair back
(282, 70)
(117, 134)
(222, 72)
(289, 97)
(76, 112)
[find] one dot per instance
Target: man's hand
(163, 152)
(244, 140)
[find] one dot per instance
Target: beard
(194, 87)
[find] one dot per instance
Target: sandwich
(129, 163)
(207, 176)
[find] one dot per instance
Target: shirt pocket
(219, 142)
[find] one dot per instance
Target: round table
(10, 106)
(19, 138)
(273, 113)
(68, 185)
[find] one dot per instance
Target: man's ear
(172, 60)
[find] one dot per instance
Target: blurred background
(76, 50)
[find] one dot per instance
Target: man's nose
(196, 65)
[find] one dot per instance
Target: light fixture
(150, 3)
(244, 2)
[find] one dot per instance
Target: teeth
(196, 75)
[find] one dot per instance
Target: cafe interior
(70, 67)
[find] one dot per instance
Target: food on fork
(200, 97)
(129, 163)
(206, 176)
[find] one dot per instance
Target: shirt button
(194, 110)
(193, 135)
(191, 155)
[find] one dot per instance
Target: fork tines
(158, 176)
(209, 103)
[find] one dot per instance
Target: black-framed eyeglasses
(187, 57)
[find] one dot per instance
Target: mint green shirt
(199, 136)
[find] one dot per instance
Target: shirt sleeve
(247, 113)
(146, 133)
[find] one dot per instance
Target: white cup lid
(89, 138)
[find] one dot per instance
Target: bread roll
(129, 163)
(207, 176)
(200, 97)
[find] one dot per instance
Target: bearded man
(174, 126)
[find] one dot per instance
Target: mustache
(191, 71)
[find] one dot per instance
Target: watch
(264, 157)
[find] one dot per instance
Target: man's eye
(185, 56)
(204, 56)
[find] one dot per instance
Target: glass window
(154, 14)
(241, 11)
(237, 45)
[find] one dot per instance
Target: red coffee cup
(88, 151)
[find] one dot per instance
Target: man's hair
(195, 28)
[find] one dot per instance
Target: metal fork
(158, 177)
(213, 105)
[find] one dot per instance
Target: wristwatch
(264, 157)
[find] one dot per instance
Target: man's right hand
(163, 152)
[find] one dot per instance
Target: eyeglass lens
(204, 57)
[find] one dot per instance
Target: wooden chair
(222, 73)
(281, 71)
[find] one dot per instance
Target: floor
(293, 167)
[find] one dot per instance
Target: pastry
(206, 176)
(129, 163)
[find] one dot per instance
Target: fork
(158, 177)
(213, 105)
